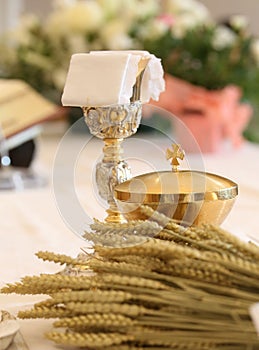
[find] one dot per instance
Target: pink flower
(166, 19)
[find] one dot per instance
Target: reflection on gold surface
(190, 196)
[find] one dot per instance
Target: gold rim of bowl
(224, 189)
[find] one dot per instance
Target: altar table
(30, 220)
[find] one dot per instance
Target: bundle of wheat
(186, 288)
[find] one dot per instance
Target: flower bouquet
(196, 50)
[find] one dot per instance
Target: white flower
(223, 37)
(188, 14)
(154, 29)
(114, 35)
(77, 43)
(111, 8)
(192, 7)
(21, 34)
(182, 24)
(255, 50)
(146, 8)
(238, 22)
(129, 9)
(82, 17)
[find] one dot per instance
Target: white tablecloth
(30, 220)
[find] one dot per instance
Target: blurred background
(11, 9)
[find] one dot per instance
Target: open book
(22, 110)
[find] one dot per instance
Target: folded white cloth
(153, 82)
(102, 78)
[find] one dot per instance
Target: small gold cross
(174, 154)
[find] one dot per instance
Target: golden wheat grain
(45, 312)
(91, 340)
(57, 258)
(86, 296)
(108, 321)
(123, 309)
(136, 227)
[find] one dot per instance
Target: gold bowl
(190, 197)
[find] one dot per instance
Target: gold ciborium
(190, 197)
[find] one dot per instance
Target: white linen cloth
(30, 220)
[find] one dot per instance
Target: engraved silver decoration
(113, 124)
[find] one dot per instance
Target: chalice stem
(111, 171)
